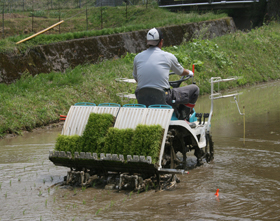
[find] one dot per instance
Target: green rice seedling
(93, 185)
(49, 190)
(41, 218)
(44, 181)
(83, 188)
(46, 203)
(84, 202)
(124, 199)
(24, 168)
(147, 141)
(40, 193)
(94, 198)
(6, 195)
(112, 203)
(23, 212)
(97, 126)
(68, 143)
(98, 211)
(74, 206)
(130, 194)
(54, 199)
(34, 184)
(19, 179)
(75, 191)
(10, 182)
(0, 185)
(147, 187)
(118, 141)
(51, 178)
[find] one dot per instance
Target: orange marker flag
(193, 69)
(217, 193)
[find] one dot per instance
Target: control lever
(205, 116)
(199, 116)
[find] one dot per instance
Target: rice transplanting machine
(138, 172)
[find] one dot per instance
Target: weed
(44, 181)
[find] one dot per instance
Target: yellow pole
(244, 123)
(40, 32)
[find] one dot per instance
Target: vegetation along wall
(60, 56)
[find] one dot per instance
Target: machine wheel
(175, 143)
(209, 149)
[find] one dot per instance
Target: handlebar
(177, 83)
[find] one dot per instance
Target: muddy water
(247, 174)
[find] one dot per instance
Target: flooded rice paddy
(245, 170)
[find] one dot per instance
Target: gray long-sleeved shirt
(151, 68)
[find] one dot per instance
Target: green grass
(35, 101)
(114, 21)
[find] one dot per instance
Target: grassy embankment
(36, 101)
(114, 20)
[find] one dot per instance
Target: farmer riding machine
(131, 152)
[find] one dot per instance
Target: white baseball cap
(154, 35)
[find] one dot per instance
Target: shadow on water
(247, 175)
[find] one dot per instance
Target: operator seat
(149, 96)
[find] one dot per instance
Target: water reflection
(246, 174)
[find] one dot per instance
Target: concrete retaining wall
(60, 56)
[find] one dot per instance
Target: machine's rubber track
(106, 162)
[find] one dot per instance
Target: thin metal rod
(3, 32)
(244, 124)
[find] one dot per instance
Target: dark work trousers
(182, 95)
